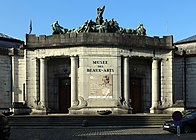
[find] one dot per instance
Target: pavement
(95, 133)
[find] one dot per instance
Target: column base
(20, 108)
(155, 110)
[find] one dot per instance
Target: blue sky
(160, 17)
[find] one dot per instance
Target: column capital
(156, 58)
(74, 56)
(127, 56)
(44, 58)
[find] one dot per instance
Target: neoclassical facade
(83, 73)
(96, 68)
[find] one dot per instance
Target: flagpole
(30, 27)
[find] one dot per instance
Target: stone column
(13, 79)
(43, 82)
(155, 85)
(126, 82)
(74, 81)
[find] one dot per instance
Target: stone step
(70, 120)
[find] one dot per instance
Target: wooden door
(64, 94)
(136, 97)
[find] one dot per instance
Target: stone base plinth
(167, 110)
(39, 112)
(96, 111)
(171, 110)
(154, 110)
(21, 111)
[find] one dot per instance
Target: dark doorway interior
(64, 94)
(136, 95)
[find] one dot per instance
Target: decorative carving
(179, 103)
(82, 102)
(124, 104)
(75, 104)
(100, 26)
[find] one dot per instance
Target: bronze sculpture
(100, 26)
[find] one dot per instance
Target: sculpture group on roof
(100, 26)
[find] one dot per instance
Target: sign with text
(100, 77)
(100, 66)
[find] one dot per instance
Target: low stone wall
(92, 39)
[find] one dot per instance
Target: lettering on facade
(100, 67)
(100, 79)
(100, 70)
(100, 62)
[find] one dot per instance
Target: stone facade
(185, 76)
(5, 77)
(8, 57)
(88, 73)
(97, 68)
(100, 71)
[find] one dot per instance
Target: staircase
(81, 120)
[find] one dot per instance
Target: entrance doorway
(64, 94)
(136, 95)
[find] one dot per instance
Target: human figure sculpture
(106, 86)
(100, 26)
(83, 27)
(99, 18)
(58, 29)
(104, 27)
(141, 30)
(90, 26)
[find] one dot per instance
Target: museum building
(97, 67)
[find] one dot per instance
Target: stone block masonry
(5, 82)
(103, 39)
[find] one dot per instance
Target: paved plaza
(94, 133)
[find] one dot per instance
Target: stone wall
(186, 66)
(18, 78)
(178, 72)
(5, 82)
(189, 48)
(95, 39)
(94, 69)
(167, 81)
(190, 82)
